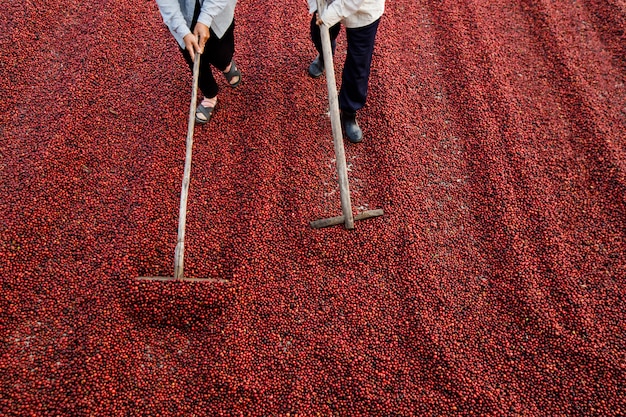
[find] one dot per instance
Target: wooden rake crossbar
(342, 172)
(179, 253)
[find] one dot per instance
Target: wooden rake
(182, 215)
(342, 172)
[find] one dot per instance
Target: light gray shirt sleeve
(210, 9)
(174, 19)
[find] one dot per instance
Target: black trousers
(356, 68)
(217, 52)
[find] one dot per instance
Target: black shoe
(316, 69)
(350, 127)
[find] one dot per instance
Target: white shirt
(353, 13)
(177, 15)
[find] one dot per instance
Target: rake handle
(179, 253)
(335, 121)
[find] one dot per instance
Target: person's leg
(355, 77)
(207, 85)
(356, 69)
(317, 38)
(206, 81)
(221, 55)
(317, 66)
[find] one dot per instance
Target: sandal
(206, 112)
(232, 73)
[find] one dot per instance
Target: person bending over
(361, 19)
(207, 27)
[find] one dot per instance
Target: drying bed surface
(493, 285)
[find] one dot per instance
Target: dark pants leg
(217, 52)
(356, 69)
(317, 38)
